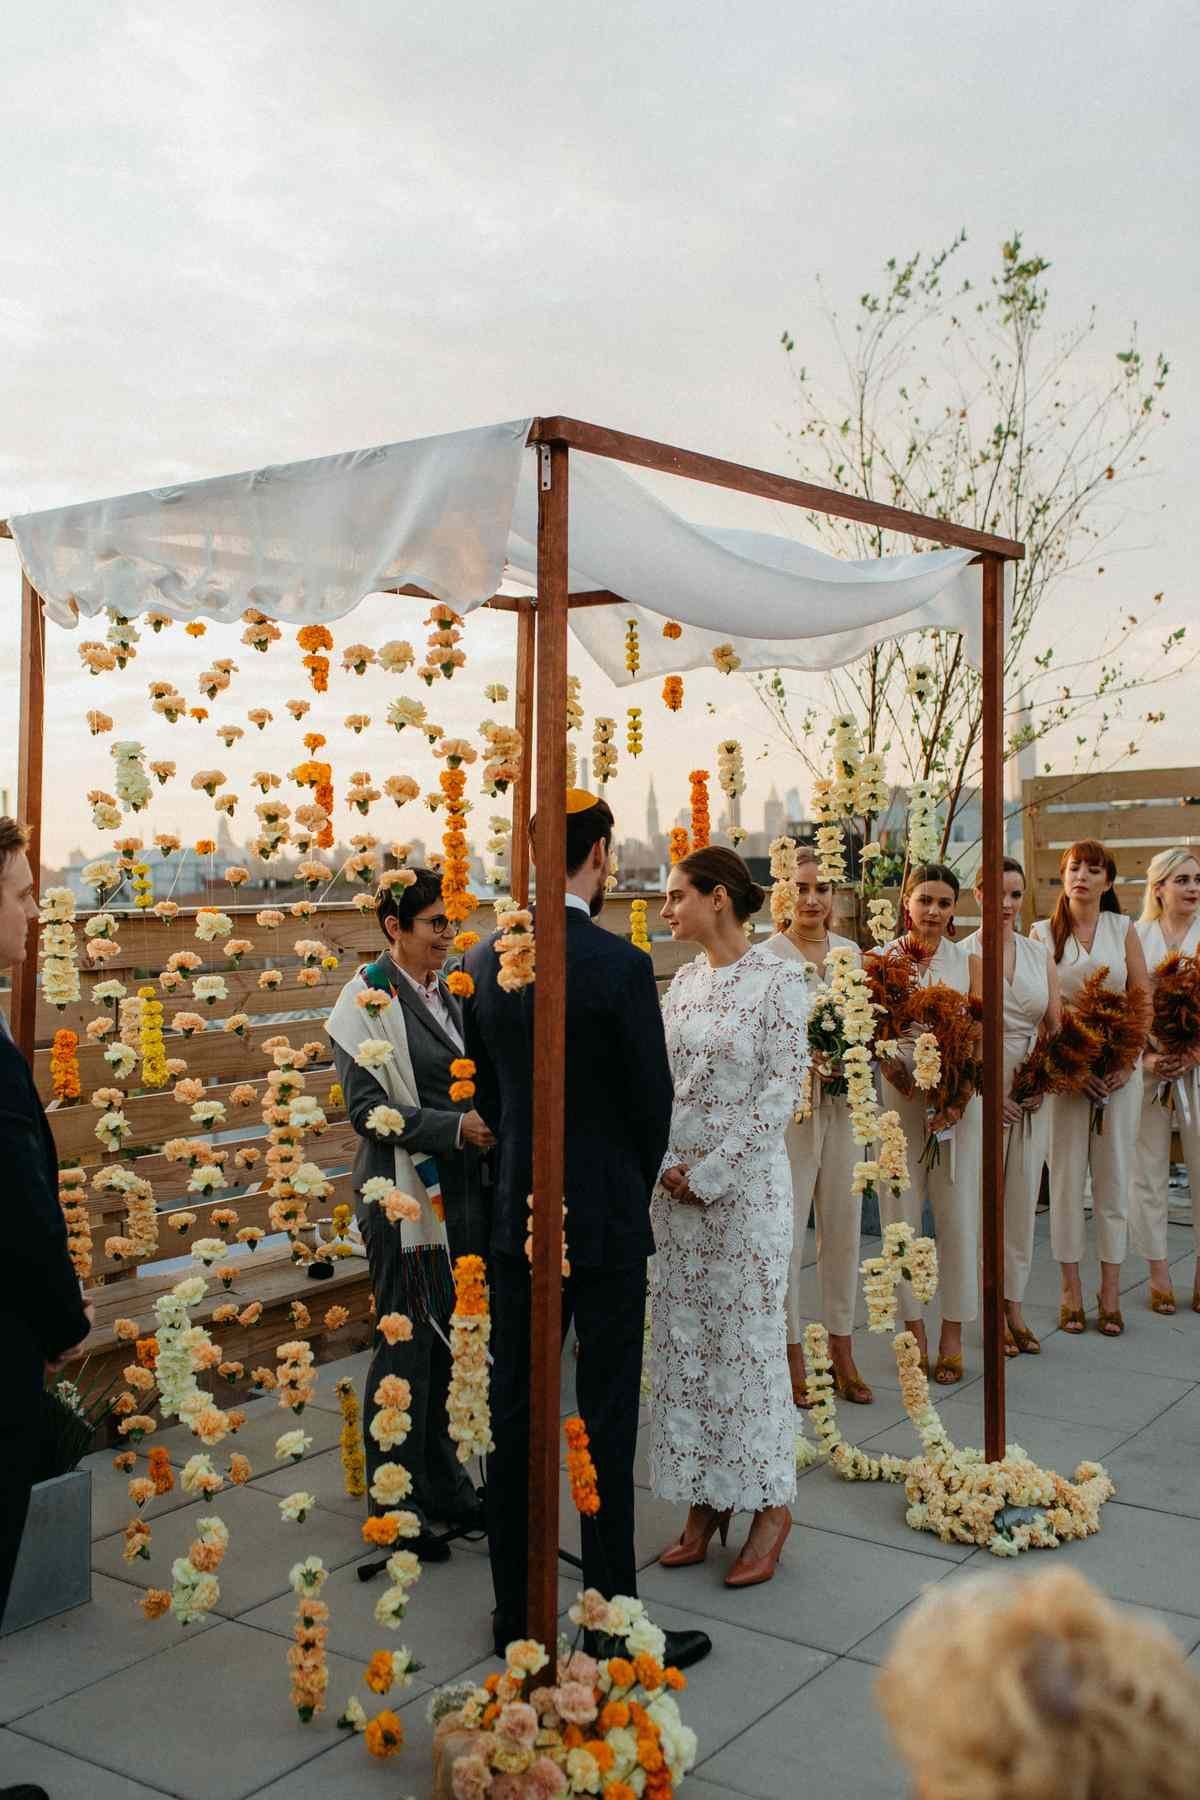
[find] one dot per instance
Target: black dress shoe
(428, 1547)
(24, 1790)
(504, 1633)
(468, 1518)
(683, 1648)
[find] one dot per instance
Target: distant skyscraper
(793, 804)
(774, 817)
(651, 815)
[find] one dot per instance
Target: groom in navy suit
(618, 1112)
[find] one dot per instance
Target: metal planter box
(54, 1567)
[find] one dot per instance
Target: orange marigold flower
(239, 1468)
(648, 1671)
(161, 1472)
(620, 1672)
(384, 1735)
(460, 984)
(383, 1530)
(379, 1672)
(601, 1754)
(672, 630)
(676, 1679)
(614, 1715)
(195, 628)
(156, 1602)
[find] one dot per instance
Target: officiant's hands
(476, 1132)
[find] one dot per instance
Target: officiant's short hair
(404, 903)
(593, 825)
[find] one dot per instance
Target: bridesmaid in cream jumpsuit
(1086, 932)
(1031, 1007)
(822, 1154)
(1170, 921)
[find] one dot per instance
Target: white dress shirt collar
(578, 901)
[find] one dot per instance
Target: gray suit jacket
(431, 1129)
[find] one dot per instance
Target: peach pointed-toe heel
(694, 1549)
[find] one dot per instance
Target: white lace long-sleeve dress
(723, 1426)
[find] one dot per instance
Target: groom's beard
(596, 903)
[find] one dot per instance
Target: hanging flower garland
(731, 768)
(831, 849)
(314, 640)
(678, 844)
(604, 751)
(72, 1189)
(633, 731)
(672, 692)
(470, 1328)
(442, 656)
(306, 1658)
(64, 1066)
(581, 1470)
(503, 749)
(783, 882)
(260, 632)
(924, 837)
(60, 970)
(574, 703)
(638, 936)
(456, 869)
(150, 1040)
(633, 655)
(701, 823)
(514, 946)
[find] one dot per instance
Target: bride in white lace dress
(723, 1427)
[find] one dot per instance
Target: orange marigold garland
(456, 895)
(701, 823)
(64, 1066)
(354, 1467)
(462, 1078)
(315, 640)
(633, 657)
(672, 692)
(633, 731)
(72, 1190)
(581, 1468)
(678, 844)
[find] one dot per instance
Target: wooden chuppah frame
(541, 690)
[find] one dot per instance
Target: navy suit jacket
(41, 1308)
(618, 1094)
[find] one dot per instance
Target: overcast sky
(253, 233)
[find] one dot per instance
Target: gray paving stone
(825, 1740)
(1151, 1559)
(208, 1719)
(1051, 1442)
(112, 1508)
(64, 1777)
(874, 1648)
(1160, 1467)
(828, 1592)
(262, 1546)
(46, 1661)
(265, 1422)
(320, 1476)
(348, 1771)
(745, 1676)
(329, 1374)
(449, 1623)
(873, 1510)
(1088, 1391)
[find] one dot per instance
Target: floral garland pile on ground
(606, 1725)
(1006, 1506)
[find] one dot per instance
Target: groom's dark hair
(594, 825)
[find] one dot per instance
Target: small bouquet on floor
(1175, 1020)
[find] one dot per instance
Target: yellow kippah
(579, 800)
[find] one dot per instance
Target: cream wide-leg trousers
(1025, 1151)
(1074, 1149)
(952, 1189)
(1148, 1197)
(822, 1154)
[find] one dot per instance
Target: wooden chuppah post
(549, 1045)
(23, 1021)
(994, 1432)
(518, 848)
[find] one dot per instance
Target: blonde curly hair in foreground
(1040, 1689)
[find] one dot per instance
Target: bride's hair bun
(715, 867)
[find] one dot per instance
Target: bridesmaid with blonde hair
(822, 1154)
(1031, 1009)
(1087, 932)
(1171, 1095)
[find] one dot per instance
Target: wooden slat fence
(1136, 814)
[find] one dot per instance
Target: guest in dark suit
(618, 1111)
(451, 1132)
(42, 1312)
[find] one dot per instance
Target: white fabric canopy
(304, 542)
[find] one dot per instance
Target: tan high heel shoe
(694, 1549)
(749, 1571)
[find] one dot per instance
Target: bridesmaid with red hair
(1087, 931)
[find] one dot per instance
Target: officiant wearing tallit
(396, 1029)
